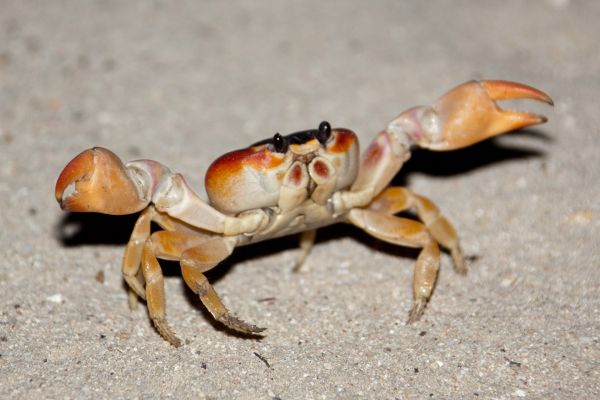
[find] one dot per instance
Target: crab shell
(259, 176)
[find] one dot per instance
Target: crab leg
(307, 241)
(133, 252)
(198, 254)
(133, 256)
(405, 232)
(397, 199)
(155, 294)
(143, 250)
(465, 115)
(200, 259)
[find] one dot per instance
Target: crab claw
(468, 114)
(97, 181)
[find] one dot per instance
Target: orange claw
(469, 114)
(97, 181)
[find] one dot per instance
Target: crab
(286, 185)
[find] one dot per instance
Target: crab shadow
(76, 229)
(457, 162)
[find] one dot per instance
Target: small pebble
(582, 217)
(55, 298)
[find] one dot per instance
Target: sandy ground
(183, 82)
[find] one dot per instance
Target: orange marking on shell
(226, 168)
(344, 139)
(222, 169)
(264, 160)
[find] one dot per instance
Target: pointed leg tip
(416, 312)
(458, 259)
(299, 268)
(167, 333)
(240, 326)
(258, 329)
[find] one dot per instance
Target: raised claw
(97, 181)
(468, 114)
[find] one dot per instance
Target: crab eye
(280, 144)
(324, 132)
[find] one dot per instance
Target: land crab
(286, 185)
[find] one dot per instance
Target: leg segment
(133, 252)
(198, 254)
(141, 251)
(202, 258)
(133, 255)
(405, 232)
(307, 240)
(155, 294)
(167, 245)
(396, 199)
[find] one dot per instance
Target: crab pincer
(97, 181)
(469, 114)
